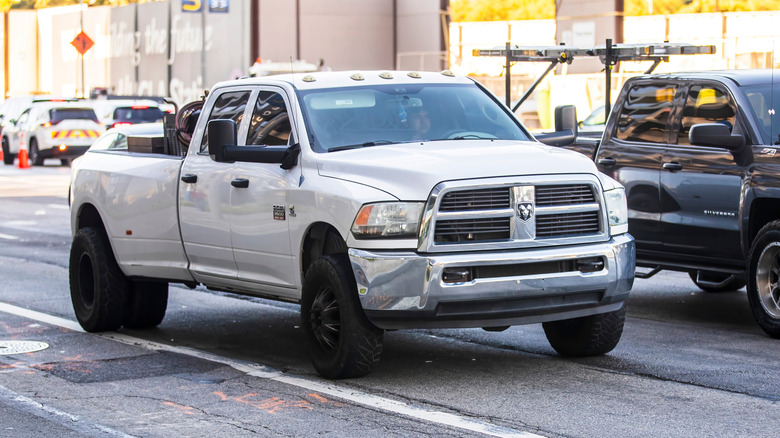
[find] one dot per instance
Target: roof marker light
(357, 77)
(386, 75)
(414, 75)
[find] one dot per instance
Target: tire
(98, 288)
(8, 157)
(36, 159)
(587, 336)
(342, 342)
(763, 288)
(716, 282)
(145, 304)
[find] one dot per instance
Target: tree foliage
(39, 4)
(499, 10)
(729, 6)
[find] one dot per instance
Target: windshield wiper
(471, 137)
(356, 146)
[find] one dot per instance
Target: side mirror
(717, 135)
(558, 138)
(566, 118)
(221, 133)
(223, 148)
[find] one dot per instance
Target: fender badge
(279, 214)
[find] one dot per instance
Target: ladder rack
(609, 54)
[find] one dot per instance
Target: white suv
(63, 130)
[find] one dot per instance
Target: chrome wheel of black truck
(764, 279)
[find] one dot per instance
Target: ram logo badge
(525, 210)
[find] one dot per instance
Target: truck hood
(409, 171)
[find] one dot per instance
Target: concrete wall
(278, 31)
(420, 36)
(159, 48)
(353, 34)
(23, 63)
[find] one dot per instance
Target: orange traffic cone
(24, 163)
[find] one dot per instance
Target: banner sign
(219, 5)
(191, 5)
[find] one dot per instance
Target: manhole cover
(17, 347)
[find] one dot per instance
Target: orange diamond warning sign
(82, 42)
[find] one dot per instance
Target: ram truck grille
(534, 212)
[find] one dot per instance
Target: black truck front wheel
(586, 336)
(98, 288)
(341, 341)
(763, 288)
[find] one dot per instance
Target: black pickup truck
(698, 155)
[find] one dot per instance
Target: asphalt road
(690, 363)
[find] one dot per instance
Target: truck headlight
(617, 211)
(388, 220)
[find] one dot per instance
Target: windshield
(351, 117)
(60, 114)
(138, 114)
(765, 105)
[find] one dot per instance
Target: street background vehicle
(52, 129)
(697, 152)
(115, 112)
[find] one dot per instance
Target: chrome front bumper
(407, 290)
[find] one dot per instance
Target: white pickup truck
(381, 200)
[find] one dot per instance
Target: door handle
(607, 162)
(189, 178)
(673, 166)
(240, 183)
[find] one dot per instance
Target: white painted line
(42, 317)
(58, 206)
(313, 384)
(8, 237)
(69, 421)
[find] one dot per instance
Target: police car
(62, 130)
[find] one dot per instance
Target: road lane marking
(57, 416)
(8, 237)
(313, 384)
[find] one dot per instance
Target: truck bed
(140, 194)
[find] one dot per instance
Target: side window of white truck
(229, 105)
(270, 124)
